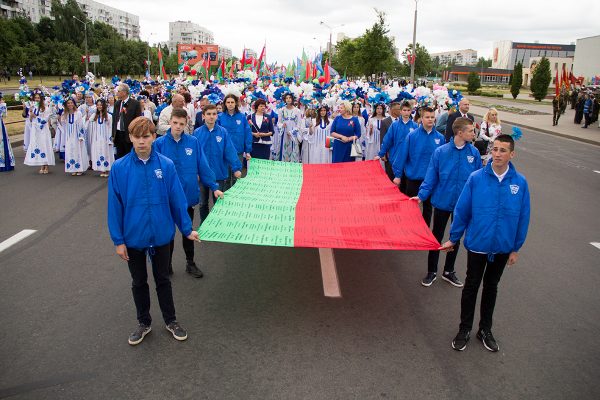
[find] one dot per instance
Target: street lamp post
(148, 62)
(414, 50)
(85, 44)
(331, 28)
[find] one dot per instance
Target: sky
(288, 26)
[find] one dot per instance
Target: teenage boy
(449, 169)
(145, 202)
(414, 156)
(216, 143)
(190, 163)
(493, 209)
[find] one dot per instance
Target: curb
(549, 132)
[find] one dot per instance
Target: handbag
(481, 144)
(356, 150)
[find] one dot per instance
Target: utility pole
(414, 50)
(331, 28)
(85, 44)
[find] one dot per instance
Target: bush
(541, 79)
(517, 80)
(473, 82)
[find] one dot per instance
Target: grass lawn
(47, 81)
(17, 128)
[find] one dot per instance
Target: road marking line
(16, 238)
(331, 283)
(598, 172)
(595, 244)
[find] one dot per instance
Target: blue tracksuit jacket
(494, 214)
(394, 137)
(416, 152)
(219, 150)
(447, 173)
(239, 131)
(190, 162)
(145, 202)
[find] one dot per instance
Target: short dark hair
(504, 138)
(426, 109)
(187, 97)
(209, 107)
(406, 104)
(259, 102)
(394, 104)
(460, 124)
(145, 93)
(179, 113)
(285, 95)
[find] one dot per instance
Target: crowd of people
(166, 146)
(584, 100)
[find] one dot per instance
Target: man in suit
(395, 109)
(126, 110)
(463, 111)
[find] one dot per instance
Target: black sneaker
(486, 337)
(460, 341)
(193, 270)
(451, 278)
(137, 336)
(178, 332)
(428, 280)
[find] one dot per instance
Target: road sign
(94, 59)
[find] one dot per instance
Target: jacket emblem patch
(437, 141)
(514, 189)
(470, 159)
(158, 173)
(219, 138)
(238, 122)
(188, 151)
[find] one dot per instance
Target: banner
(195, 53)
(345, 205)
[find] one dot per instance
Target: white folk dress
(489, 134)
(39, 150)
(317, 152)
(372, 138)
(291, 127)
(76, 156)
(100, 133)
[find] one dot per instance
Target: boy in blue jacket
(145, 202)
(414, 156)
(190, 163)
(217, 145)
(493, 209)
(449, 168)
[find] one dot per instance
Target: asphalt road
(259, 326)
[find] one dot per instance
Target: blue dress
(347, 127)
(7, 158)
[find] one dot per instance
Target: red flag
(161, 65)
(260, 59)
(223, 66)
(308, 71)
(327, 73)
(243, 61)
(565, 77)
(556, 84)
(571, 77)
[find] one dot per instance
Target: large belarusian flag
(348, 205)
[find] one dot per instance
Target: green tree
(66, 27)
(423, 63)
(473, 82)
(45, 28)
(517, 80)
(484, 63)
(541, 79)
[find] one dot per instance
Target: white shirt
(502, 175)
(259, 120)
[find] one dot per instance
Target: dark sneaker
(428, 280)
(451, 278)
(488, 340)
(460, 341)
(193, 270)
(137, 336)
(170, 269)
(178, 332)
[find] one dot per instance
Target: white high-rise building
(458, 57)
(225, 52)
(127, 24)
(189, 33)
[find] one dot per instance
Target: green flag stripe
(259, 209)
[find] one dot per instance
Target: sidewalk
(541, 122)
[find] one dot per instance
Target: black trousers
(587, 117)
(188, 245)
(480, 268)
(232, 179)
(440, 220)
(390, 173)
(204, 195)
(555, 117)
(160, 257)
(412, 189)
(122, 144)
